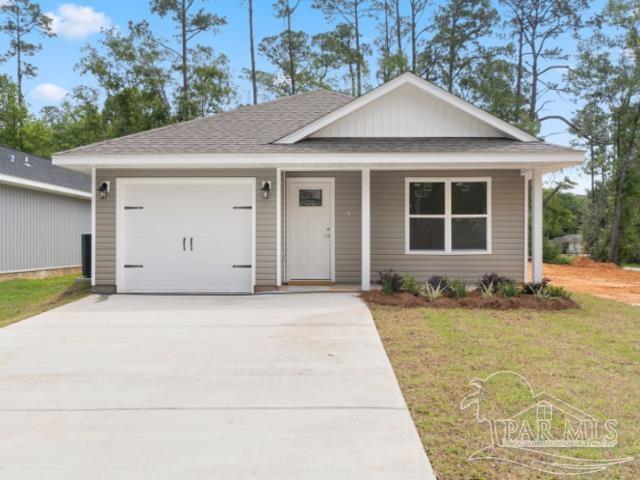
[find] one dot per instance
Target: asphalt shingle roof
(254, 128)
(22, 165)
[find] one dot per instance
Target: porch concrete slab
(281, 386)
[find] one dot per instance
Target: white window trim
(447, 216)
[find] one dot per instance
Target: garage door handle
(242, 266)
(249, 207)
(191, 243)
(184, 244)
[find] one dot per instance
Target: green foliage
(487, 289)
(390, 281)
(556, 292)
(410, 285)
(492, 279)
(457, 288)
(433, 292)
(509, 289)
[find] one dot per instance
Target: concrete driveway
(266, 387)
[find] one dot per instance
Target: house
(318, 188)
(44, 209)
(570, 243)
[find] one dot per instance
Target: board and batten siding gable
(388, 229)
(105, 242)
(40, 230)
(348, 208)
(408, 112)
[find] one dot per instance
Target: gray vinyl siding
(348, 219)
(105, 256)
(388, 229)
(40, 230)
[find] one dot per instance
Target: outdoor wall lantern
(266, 189)
(103, 189)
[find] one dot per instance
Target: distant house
(43, 211)
(570, 243)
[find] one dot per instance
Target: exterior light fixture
(266, 189)
(103, 189)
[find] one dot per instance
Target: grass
(20, 299)
(631, 264)
(589, 357)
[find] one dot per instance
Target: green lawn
(20, 299)
(589, 358)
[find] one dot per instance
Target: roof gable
(408, 106)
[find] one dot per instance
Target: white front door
(310, 228)
(185, 235)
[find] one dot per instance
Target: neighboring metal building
(43, 211)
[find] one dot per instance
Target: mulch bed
(473, 300)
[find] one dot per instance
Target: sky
(78, 24)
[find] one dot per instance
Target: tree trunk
(356, 22)
(414, 38)
(292, 72)
(254, 82)
(452, 56)
(593, 171)
(398, 27)
(519, 72)
(185, 75)
(387, 44)
(19, 60)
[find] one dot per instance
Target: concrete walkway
(287, 387)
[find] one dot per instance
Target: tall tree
(190, 21)
(21, 18)
(537, 24)
(131, 71)
(352, 13)
(416, 10)
(286, 9)
(456, 47)
(608, 75)
(252, 52)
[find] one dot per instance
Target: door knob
(191, 243)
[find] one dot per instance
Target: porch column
(366, 229)
(536, 224)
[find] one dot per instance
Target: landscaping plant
(457, 288)
(487, 289)
(509, 289)
(556, 292)
(492, 279)
(436, 281)
(532, 288)
(390, 281)
(433, 293)
(410, 285)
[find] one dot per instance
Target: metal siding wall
(265, 219)
(40, 230)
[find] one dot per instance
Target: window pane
(426, 198)
(426, 234)
(468, 198)
(310, 198)
(469, 234)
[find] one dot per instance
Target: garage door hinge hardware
(134, 208)
(134, 266)
(243, 208)
(242, 266)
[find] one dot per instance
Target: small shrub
(492, 279)
(436, 281)
(534, 288)
(391, 281)
(557, 292)
(552, 253)
(433, 293)
(410, 285)
(509, 289)
(457, 288)
(487, 289)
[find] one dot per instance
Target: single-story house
(44, 209)
(318, 188)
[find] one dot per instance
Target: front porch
(369, 227)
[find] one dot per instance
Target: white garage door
(192, 235)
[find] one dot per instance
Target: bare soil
(473, 300)
(605, 280)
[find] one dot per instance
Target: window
(310, 198)
(448, 215)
